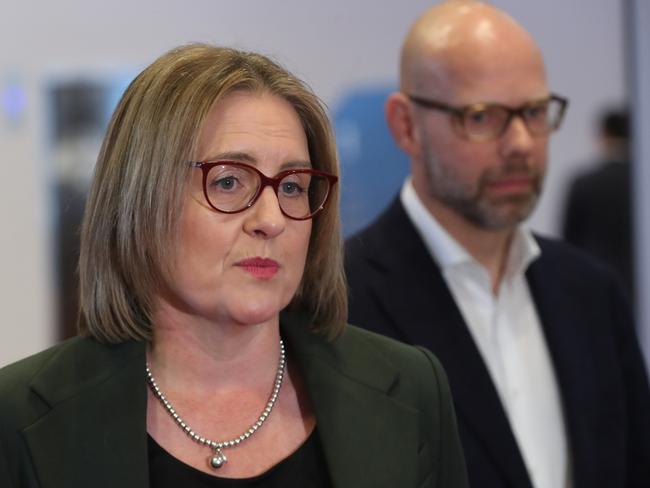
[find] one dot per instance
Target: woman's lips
(262, 268)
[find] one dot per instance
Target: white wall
(332, 45)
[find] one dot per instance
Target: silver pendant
(217, 460)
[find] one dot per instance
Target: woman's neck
(196, 352)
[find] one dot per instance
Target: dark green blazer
(75, 415)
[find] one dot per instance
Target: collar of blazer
(91, 403)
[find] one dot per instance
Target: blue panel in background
(372, 166)
(13, 102)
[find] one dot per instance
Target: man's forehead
(485, 72)
(459, 41)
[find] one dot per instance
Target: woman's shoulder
(355, 337)
(63, 367)
(18, 404)
(414, 362)
(21, 372)
(78, 351)
(381, 363)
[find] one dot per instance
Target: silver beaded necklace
(219, 459)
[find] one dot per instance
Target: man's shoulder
(392, 215)
(598, 183)
(389, 238)
(603, 172)
(565, 267)
(556, 252)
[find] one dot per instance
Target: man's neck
(487, 246)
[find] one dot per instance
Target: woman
(213, 348)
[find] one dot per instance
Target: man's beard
(473, 202)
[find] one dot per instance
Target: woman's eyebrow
(298, 164)
(241, 156)
(245, 157)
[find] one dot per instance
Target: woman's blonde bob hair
(131, 219)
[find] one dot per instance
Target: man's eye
(479, 117)
(536, 112)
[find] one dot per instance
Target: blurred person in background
(214, 350)
(538, 341)
(598, 217)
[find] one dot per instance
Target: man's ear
(399, 116)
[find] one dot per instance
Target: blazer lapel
(106, 414)
(350, 390)
(566, 325)
(427, 315)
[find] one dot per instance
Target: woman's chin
(255, 315)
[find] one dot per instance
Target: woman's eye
(226, 183)
(291, 188)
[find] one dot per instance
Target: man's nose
(517, 138)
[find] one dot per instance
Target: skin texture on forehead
(457, 41)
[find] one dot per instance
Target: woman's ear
(399, 116)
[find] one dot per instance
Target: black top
(306, 467)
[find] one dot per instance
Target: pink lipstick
(262, 268)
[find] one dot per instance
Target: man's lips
(262, 268)
(515, 184)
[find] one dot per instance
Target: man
(537, 340)
(598, 216)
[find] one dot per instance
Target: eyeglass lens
(490, 120)
(232, 188)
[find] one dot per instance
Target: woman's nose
(264, 218)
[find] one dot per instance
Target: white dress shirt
(507, 331)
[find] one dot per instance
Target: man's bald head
(462, 54)
(455, 38)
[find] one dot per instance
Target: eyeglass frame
(460, 112)
(272, 181)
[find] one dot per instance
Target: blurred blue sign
(373, 167)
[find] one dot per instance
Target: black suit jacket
(74, 416)
(598, 217)
(398, 290)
